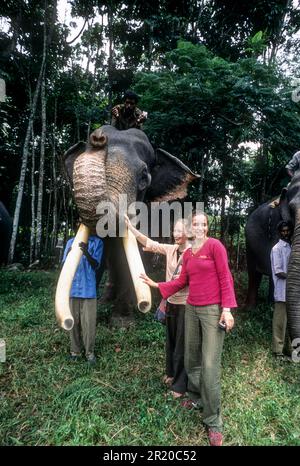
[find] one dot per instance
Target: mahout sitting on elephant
(261, 235)
(115, 163)
(127, 115)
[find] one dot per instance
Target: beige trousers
(279, 325)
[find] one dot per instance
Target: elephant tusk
(62, 296)
(136, 267)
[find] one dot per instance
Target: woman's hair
(184, 222)
(199, 212)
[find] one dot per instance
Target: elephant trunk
(89, 168)
(89, 178)
(62, 296)
(293, 283)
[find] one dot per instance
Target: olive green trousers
(202, 359)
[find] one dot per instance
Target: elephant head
(115, 163)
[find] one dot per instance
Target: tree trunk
(279, 32)
(39, 219)
(110, 53)
(223, 217)
(54, 178)
(25, 160)
(93, 86)
(204, 163)
(265, 164)
(238, 240)
(48, 223)
(32, 232)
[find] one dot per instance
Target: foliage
(205, 108)
(214, 77)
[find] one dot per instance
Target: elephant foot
(250, 302)
(246, 307)
(122, 321)
(108, 295)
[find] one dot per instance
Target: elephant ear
(284, 206)
(170, 178)
(70, 156)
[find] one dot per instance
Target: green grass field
(46, 400)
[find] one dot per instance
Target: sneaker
(215, 438)
(91, 359)
(74, 357)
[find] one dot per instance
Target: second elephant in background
(175, 376)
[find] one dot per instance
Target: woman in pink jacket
(211, 296)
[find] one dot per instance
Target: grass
(46, 400)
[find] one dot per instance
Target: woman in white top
(175, 376)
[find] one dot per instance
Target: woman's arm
(224, 275)
(169, 288)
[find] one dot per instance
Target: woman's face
(179, 233)
(199, 226)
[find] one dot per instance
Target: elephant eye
(144, 179)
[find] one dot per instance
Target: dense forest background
(217, 78)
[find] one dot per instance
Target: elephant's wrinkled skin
(5, 233)
(261, 235)
(122, 162)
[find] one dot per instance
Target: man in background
(127, 115)
(280, 255)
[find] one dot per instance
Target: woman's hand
(139, 236)
(148, 281)
(115, 112)
(227, 317)
(127, 221)
(130, 226)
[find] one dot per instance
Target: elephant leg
(254, 280)
(109, 292)
(271, 291)
(119, 287)
(122, 314)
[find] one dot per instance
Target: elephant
(112, 163)
(5, 233)
(261, 235)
